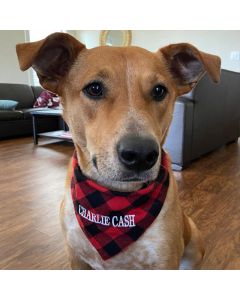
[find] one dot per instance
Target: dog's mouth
(133, 179)
(140, 178)
(125, 176)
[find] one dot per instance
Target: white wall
(218, 42)
(88, 37)
(9, 68)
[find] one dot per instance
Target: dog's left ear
(187, 64)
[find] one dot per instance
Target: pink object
(47, 99)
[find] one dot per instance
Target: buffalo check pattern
(113, 220)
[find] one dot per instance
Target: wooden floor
(32, 184)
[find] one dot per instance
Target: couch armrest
(179, 139)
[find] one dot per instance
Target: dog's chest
(150, 251)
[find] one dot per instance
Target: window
(33, 36)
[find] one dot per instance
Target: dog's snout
(137, 153)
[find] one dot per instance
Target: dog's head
(118, 102)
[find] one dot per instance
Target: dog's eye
(159, 92)
(94, 90)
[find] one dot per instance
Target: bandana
(113, 220)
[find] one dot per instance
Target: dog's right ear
(51, 58)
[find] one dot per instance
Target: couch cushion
(19, 92)
(10, 115)
(7, 104)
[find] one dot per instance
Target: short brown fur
(65, 66)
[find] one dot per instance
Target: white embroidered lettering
(94, 218)
(116, 221)
(126, 220)
(106, 220)
(121, 223)
(88, 216)
(82, 211)
(131, 220)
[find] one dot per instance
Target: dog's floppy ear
(51, 58)
(187, 64)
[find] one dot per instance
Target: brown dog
(111, 94)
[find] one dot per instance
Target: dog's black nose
(137, 153)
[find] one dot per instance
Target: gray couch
(205, 119)
(18, 122)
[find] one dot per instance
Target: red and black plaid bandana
(113, 220)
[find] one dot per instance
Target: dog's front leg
(194, 250)
(75, 262)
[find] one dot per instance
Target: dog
(118, 103)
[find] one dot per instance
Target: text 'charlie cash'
(115, 221)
